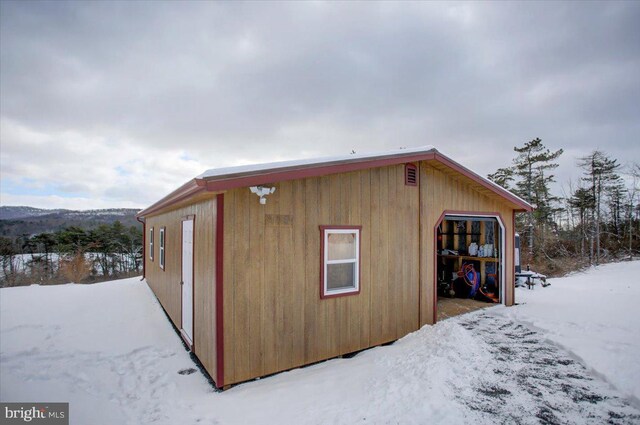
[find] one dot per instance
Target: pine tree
(616, 195)
(502, 177)
(72, 240)
(600, 172)
(532, 167)
(582, 200)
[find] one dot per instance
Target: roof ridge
(264, 166)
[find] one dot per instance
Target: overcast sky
(114, 104)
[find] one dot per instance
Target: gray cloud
(222, 83)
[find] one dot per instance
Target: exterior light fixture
(262, 191)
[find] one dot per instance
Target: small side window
(162, 242)
(151, 244)
(340, 261)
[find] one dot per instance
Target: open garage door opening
(470, 263)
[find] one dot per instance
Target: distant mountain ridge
(20, 220)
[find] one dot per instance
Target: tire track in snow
(532, 381)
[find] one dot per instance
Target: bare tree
(632, 194)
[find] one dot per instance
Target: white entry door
(187, 280)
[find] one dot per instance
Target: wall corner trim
(219, 290)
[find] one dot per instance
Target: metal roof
(220, 179)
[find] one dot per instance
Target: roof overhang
(520, 204)
(272, 173)
(187, 190)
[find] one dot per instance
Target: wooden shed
(268, 267)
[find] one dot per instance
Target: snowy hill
(11, 213)
(567, 354)
(16, 221)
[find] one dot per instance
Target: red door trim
(435, 250)
(193, 280)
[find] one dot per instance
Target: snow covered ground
(595, 316)
(568, 354)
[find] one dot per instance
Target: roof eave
(252, 178)
(504, 193)
(190, 188)
(311, 170)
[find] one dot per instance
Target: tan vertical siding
(228, 263)
(166, 283)
(289, 325)
(445, 191)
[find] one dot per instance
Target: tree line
(595, 219)
(73, 254)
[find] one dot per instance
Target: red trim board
(337, 227)
(251, 178)
(191, 344)
(434, 247)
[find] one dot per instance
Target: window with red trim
(151, 244)
(340, 261)
(410, 175)
(162, 242)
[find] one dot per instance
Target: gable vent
(410, 175)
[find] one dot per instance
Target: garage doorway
(470, 263)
